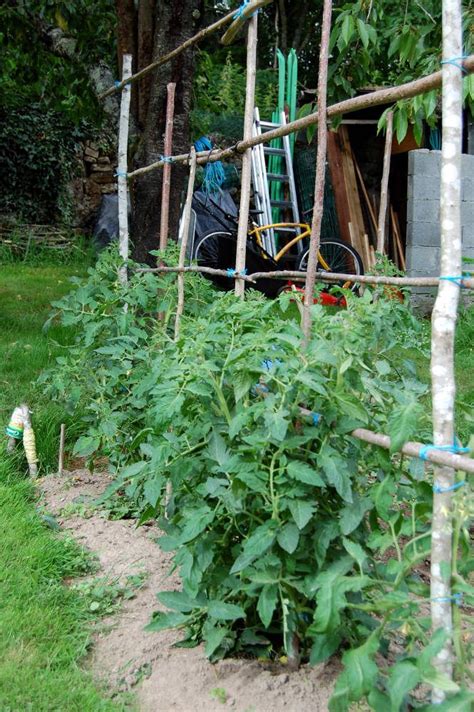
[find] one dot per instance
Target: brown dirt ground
(128, 658)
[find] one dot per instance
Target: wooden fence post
(184, 241)
(166, 185)
(320, 173)
(442, 340)
(384, 185)
(247, 157)
(122, 167)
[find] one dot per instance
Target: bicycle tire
(214, 250)
(340, 257)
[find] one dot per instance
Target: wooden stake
(61, 449)
(320, 173)
(166, 185)
(184, 242)
(240, 256)
(375, 98)
(397, 238)
(444, 317)
(384, 187)
(123, 168)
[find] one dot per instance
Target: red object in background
(324, 298)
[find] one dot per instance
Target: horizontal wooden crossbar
(375, 98)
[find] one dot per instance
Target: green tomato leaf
(303, 472)
(301, 511)
(403, 423)
(225, 611)
(288, 537)
(404, 676)
(266, 603)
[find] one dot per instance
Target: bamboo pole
(61, 449)
(166, 185)
(252, 38)
(122, 168)
(444, 317)
(467, 282)
(184, 242)
(318, 207)
(384, 187)
(202, 34)
(375, 98)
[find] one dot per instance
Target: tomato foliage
(291, 536)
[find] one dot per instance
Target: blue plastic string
(214, 173)
(456, 449)
(316, 418)
(440, 490)
(240, 10)
(120, 174)
(455, 62)
(117, 83)
(456, 280)
(231, 272)
(166, 159)
(455, 598)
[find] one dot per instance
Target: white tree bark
(247, 157)
(443, 326)
(384, 185)
(166, 185)
(184, 242)
(122, 166)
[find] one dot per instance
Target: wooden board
(338, 185)
(353, 197)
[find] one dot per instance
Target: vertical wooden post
(122, 166)
(384, 186)
(442, 340)
(247, 157)
(61, 449)
(320, 172)
(184, 241)
(166, 185)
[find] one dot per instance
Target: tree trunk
(174, 23)
(127, 39)
(146, 29)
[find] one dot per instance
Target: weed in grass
(219, 694)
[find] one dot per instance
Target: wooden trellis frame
(448, 284)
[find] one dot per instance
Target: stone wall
(423, 217)
(95, 177)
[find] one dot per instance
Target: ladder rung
(281, 203)
(286, 229)
(278, 176)
(269, 151)
(269, 125)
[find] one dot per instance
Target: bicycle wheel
(217, 250)
(339, 256)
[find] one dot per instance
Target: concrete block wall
(423, 218)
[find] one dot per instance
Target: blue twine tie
(440, 490)
(457, 280)
(231, 272)
(455, 598)
(214, 173)
(117, 83)
(120, 174)
(240, 10)
(455, 62)
(455, 449)
(166, 159)
(316, 418)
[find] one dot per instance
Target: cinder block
(467, 165)
(467, 189)
(424, 211)
(424, 260)
(468, 240)
(426, 187)
(467, 213)
(424, 234)
(424, 162)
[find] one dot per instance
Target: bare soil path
(166, 679)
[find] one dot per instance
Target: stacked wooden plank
(20, 238)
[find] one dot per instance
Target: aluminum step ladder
(261, 178)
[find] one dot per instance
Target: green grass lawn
(43, 626)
